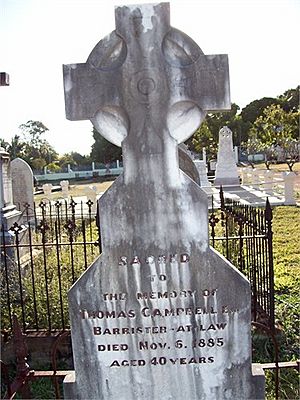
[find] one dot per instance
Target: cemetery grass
(286, 245)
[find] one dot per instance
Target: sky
(261, 38)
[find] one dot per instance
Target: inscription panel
(183, 326)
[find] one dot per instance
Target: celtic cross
(146, 87)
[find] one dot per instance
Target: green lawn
(286, 245)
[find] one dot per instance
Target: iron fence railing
(52, 245)
(41, 257)
(243, 234)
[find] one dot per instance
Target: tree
(37, 151)
(255, 109)
(275, 124)
(290, 100)
(290, 148)
(276, 128)
(103, 151)
(251, 147)
(203, 137)
(4, 143)
(80, 159)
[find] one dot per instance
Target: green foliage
(73, 159)
(203, 137)
(103, 151)
(290, 100)
(4, 143)
(53, 167)
(255, 109)
(250, 123)
(275, 125)
(34, 149)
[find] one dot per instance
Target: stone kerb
(157, 314)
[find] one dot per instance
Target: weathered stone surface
(226, 170)
(6, 198)
(22, 184)
(202, 171)
(47, 189)
(159, 314)
(8, 213)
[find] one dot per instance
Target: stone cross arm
(146, 68)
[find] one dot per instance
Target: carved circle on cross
(148, 86)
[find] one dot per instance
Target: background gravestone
(22, 184)
(8, 212)
(159, 314)
(202, 171)
(226, 170)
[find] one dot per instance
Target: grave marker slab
(22, 184)
(202, 170)
(9, 214)
(159, 314)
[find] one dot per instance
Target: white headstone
(6, 197)
(202, 169)
(8, 212)
(226, 170)
(22, 184)
(64, 188)
(47, 189)
(289, 181)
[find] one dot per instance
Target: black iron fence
(41, 257)
(243, 234)
(45, 253)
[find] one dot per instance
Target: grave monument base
(226, 182)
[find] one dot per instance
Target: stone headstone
(9, 215)
(202, 170)
(212, 165)
(289, 181)
(47, 189)
(8, 211)
(156, 316)
(6, 197)
(64, 188)
(22, 184)
(226, 169)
